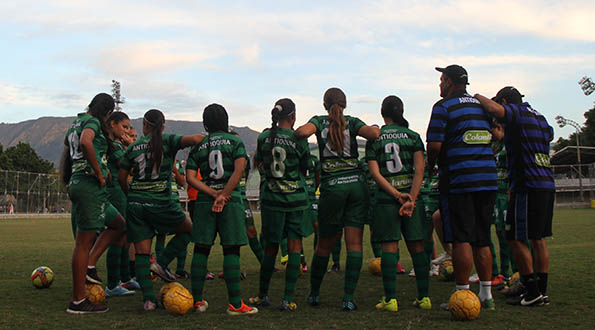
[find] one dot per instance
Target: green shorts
(277, 225)
(91, 209)
(499, 214)
(146, 218)
(387, 225)
(343, 203)
(118, 199)
(313, 213)
(230, 224)
(431, 204)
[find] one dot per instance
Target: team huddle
(486, 162)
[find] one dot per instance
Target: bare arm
(369, 132)
(382, 182)
(89, 153)
(418, 175)
(433, 153)
(179, 177)
(238, 171)
(494, 108)
(305, 131)
(123, 179)
(191, 140)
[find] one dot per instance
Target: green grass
(26, 244)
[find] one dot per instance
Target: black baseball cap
(511, 94)
(457, 73)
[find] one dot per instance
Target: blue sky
(247, 54)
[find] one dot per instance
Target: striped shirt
(527, 138)
(466, 159)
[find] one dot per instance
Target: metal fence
(24, 192)
(572, 188)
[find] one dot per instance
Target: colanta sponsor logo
(477, 137)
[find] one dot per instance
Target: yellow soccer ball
(375, 267)
(464, 305)
(42, 277)
(166, 288)
(178, 301)
(446, 271)
(95, 293)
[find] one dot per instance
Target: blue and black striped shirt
(466, 159)
(527, 137)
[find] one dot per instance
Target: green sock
(267, 268)
(291, 275)
(283, 246)
(319, 264)
(256, 248)
(159, 245)
(336, 252)
(389, 274)
(422, 276)
(173, 248)
(505, 255)
(198, 271)
(112, 261)
(143, 276)
(231, 272)
(429, 249)
(377, 249)
(125, 265)
(182, 259)
(353, 268)
(495, 271)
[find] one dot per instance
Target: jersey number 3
(393, 165)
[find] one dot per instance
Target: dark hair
(155, 119)
(282, 110)
(117, 116)
(100, 105)
(214, 118)
(392, 107)
(334, 102)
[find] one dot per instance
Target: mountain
(46, 134)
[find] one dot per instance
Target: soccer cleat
(391, 305)
(514, 290)
(488, 304)
(545, 301)
(150, 305)
(335, 268)
(284, 259)
(162, 272)
(528, 300)
(152, 259)
(242, 310)
(201, 306)
(444, 307)
(182, 274)
(442, 257)
(474, 278)
(131, 284)
(400, 269)
(209, 276)
(92, 277)
(86, 307)
(412, 272)
(118, 290)
(304, 268)
(498, 282)
(423, 303)
(349, 305)
(260, 301)
(434, 270)
(288, 306)
(314, 300)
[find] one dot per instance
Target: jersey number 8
(278, 165)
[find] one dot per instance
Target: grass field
(26, 244)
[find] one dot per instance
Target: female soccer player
(150, 206)
(84, 170)
(396, 162)
(343, 191)
(284, 199)
(221, 158)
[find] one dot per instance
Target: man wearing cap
(459, 139)
(527, 138)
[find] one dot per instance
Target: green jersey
(149, 183)
(80, 166)
(113, 164)
(502, 170)
(333, 163)
(393, 150)
(430, 185)
(285, 161)
(314, 166)
(215, 157)
(175, 188)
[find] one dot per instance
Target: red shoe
(400, 269)
(498, 281)
(220, 275)
(201, 306)
(243, 310)
(304, 268)
(152, 259)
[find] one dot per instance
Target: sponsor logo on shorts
(477, 137)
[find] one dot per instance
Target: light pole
(563, 122)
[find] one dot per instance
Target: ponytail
(392, 107)
(282, 110)
(155, 119)
(335, 102)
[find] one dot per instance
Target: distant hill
(46, 134)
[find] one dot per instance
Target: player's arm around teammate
(221, 158)
(343, 191)
(150, 206)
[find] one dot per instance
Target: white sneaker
(442, 257)
(434, 270)
(474, 278)
(412, 272)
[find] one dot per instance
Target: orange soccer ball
(464, 305)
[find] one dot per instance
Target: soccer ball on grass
(166, 288)
(446, 271)
(375, 267)
(95, 293)
(464, 305)
(178, 301)
(42, 277)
